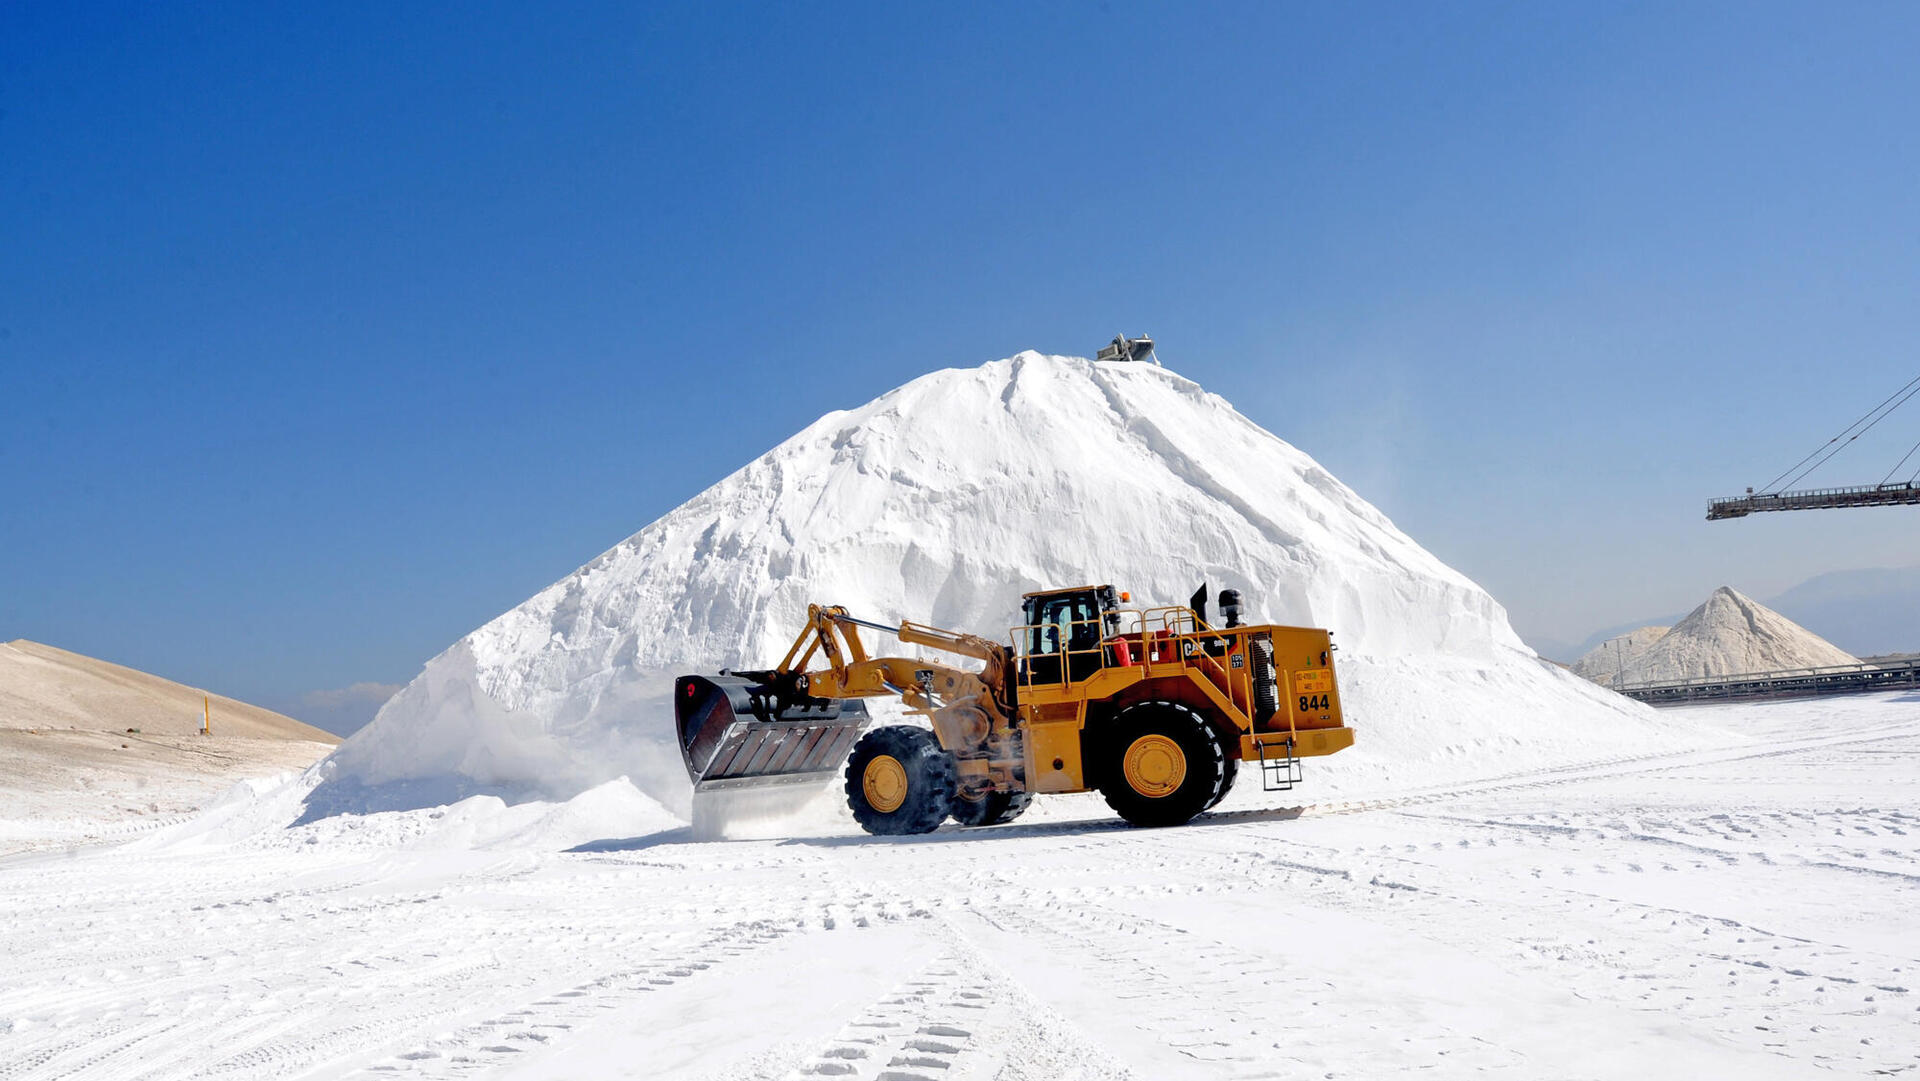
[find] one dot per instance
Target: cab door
(1062, 638)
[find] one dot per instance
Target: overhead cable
(1833, 446)
(1901, 462)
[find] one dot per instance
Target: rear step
(1279, 769)
(737, 732)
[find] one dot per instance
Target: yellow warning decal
(1313, 681)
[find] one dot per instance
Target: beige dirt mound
(61, 787)
(71, 772)
(45, 687)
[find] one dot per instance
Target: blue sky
(329, 332)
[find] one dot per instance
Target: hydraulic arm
(782, 724)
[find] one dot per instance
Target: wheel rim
(1155, 766)
(884, 782)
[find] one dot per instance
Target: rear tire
(1233, 770)
(900, 781)
(992, 809)
(1161, 764)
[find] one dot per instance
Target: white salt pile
(1733, 634)
(1607, 662)
(943, 501)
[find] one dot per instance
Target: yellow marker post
(206, 721)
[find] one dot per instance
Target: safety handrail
(1159, 633)
(1800, 493)
(1757, 677)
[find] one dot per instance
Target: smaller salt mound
(256, 815)
(1733, 634)
(1605, 662)
(609, 814)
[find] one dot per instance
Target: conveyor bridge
(1865, 495)
(1789, 683)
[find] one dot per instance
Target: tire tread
(932, 779)
(1209, 769)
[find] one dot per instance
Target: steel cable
(1901, 462)
(1833, 446)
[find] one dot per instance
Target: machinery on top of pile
(1154, 708)
(1125, 348)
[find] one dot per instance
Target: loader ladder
(1279, 769)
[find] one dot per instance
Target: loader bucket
(737, 733)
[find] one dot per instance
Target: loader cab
(1061, 633)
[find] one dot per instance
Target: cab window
(1064, 623)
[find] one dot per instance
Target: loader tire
(900, 781)
(1233, 769)
(992, 809)
(1161, 763)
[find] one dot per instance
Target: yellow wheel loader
(1155, 708)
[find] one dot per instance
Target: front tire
(900, 781)
(1162, 764)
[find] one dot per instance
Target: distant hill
(1572, 653)
(343, 711)
(1870, 611)
(45, 687)
(1867, 611)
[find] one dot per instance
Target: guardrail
(1785, 683)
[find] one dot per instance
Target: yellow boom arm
(967, 709)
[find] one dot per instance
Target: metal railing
(1166, 638)
(1864, 495)
(1781, 683)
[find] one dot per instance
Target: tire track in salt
(920, 1026)
(504, 1033)
(1663, 959)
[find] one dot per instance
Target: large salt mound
(1732, 634)
(943, 501)
(1606, 662)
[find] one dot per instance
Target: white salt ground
(1514, 873)
(1743, 909)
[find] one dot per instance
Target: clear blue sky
(329, 332)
